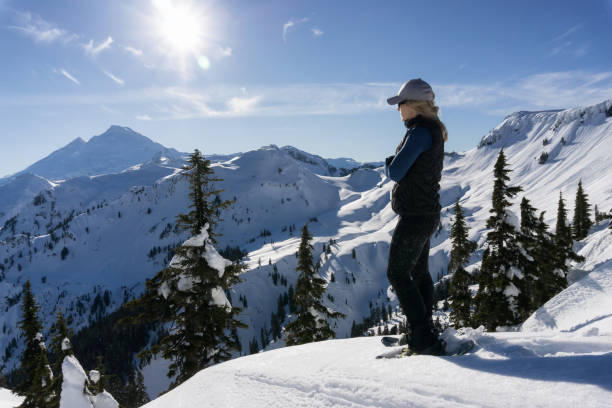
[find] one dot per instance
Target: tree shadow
(588, 322)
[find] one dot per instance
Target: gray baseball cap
(415, 90)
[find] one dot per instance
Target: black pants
(408, 269)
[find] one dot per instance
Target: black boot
(425, 339)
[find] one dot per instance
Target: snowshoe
(397, 352)
(464, 347)
(437, 349)
(389, 341)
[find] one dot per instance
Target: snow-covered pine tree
(37, 374)
(311, 315)
(582, 215)
(98, 379)
(501, 285)
(462, 248)
(188, 297)
(60, 348)
(81, 390)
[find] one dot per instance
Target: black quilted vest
(418, 192)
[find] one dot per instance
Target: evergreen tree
(253, 346)
(563, 233)
(598, 216)
(60, 348)
(531, 246)
(189, 295)
(582, 215)
(204, 211)
(98, 378)
(37, 374)
(462, 249)
(61, 345)
(563, 249)
(310, 323)
(135, 392)
(501, 285)
(548, 282)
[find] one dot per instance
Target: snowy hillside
(577, 142)
(587, 304)
(61, 239)
(118, 229)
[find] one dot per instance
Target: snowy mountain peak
(110, 152)
(524, 124)
(116, 132)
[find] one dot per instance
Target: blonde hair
(429, 110)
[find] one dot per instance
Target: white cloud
(143, 117)
(569, 32)
(69, 76)
(568, 47)
(92, 49)
(239, 105)
(114, 78)
(292, 23)
(549, 90)
(224, 51)
(134, 51)
(556, 50)
(40, 30)
(316, 32)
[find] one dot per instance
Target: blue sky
(227, 76)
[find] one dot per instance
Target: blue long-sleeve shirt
(417, 141)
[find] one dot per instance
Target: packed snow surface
(8, 399)
(508, 369)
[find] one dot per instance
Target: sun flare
(180, 27)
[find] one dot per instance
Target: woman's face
(406, 111)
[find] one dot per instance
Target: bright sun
(180, 27)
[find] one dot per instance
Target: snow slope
(586, 306)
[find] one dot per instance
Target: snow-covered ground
(507, 370)
(8, 399)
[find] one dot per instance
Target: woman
(416, 168)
